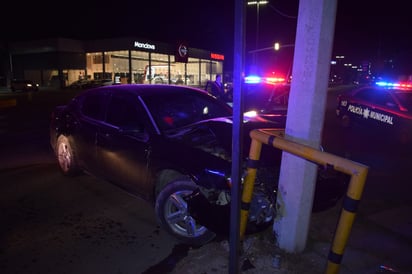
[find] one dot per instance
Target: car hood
(214, 136)
(204, 149)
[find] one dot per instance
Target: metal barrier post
(247, 192)
(358, 172)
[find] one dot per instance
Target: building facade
(61, 62)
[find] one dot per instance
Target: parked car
(171, 145)
(23, 85)
(262, 96)
(102, 82)
(384, 108)
(267, 98)
(79, 84)
(85, 84)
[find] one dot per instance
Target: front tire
(66, 156)
(173, 214)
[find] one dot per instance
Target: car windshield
(405, 97)
(263, 95)
(171, 111)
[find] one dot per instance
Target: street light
(257, 3)
(276, 46)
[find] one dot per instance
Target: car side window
(378, 97)
(388, 101)
(406, 99)
(365, 94)
(92, 106)
(282, 99)
(123, 112)
(384, 99)
(174, 110)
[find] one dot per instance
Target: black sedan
(170, 145)
(384, 108)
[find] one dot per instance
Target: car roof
(145, 89)
(21, 81)
(148, 90)
(382, 88)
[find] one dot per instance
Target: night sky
(364, 29)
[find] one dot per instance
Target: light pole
(257, 3)
(276, 47)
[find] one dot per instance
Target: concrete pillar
(313, 48)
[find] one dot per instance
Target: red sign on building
(217, 56)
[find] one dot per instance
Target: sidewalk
(371, 248)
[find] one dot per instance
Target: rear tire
(66, 156)
(173, 214)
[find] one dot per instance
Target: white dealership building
(62, 61)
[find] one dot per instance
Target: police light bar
(253, 79)
(395, 85)
(275, 79)
(268, 80)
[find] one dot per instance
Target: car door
(378, 108)
(85, 125)
(357, 105)
(123, 144)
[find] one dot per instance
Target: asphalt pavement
(380, 241)
(374, 246)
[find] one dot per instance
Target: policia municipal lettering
(367, 113)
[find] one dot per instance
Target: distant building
(61, 61)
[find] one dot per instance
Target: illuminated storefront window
(196, 72)
(94, 64)
(159, 73)
(122, 61)
(118, 66)
(139, 60)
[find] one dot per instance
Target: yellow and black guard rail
(358, 172)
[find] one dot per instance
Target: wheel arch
(167, 175)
